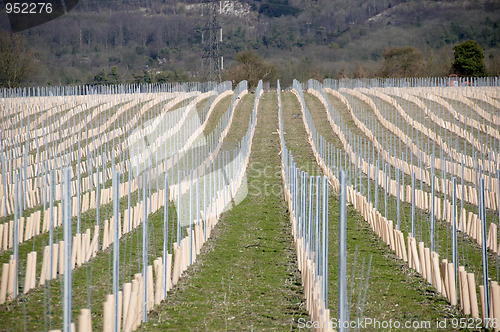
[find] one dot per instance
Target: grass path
(246, 276)
(395, 291)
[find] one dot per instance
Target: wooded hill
(161, 40)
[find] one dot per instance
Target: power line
(211, 60)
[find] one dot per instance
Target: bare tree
(252, 68)
(402, 62)
(17, 60)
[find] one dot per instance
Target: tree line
(156, 41)
(18, 63)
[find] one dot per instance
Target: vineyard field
(211, 206)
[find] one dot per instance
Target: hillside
(313, 38)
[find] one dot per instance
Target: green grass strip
(246, 276)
